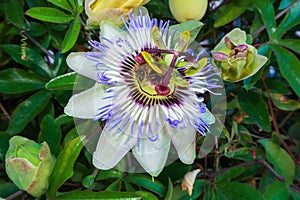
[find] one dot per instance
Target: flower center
(157, 76)
(155, 69)
(151, 81)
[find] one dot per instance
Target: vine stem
(5, 111)
(260, 29)
(14, 195)
(248, 163)
(275, 125)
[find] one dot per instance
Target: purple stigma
(162, 89)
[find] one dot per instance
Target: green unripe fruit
(184, 10)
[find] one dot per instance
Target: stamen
(167, 76)
(169, 72)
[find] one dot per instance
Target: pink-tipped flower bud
(239, 59)
(219, 56)
(241, 47)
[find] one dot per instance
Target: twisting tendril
(23, 45)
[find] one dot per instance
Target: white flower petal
(208, 117)
(82, 65)
(184, 141)
(110, 31)
(111, 148)
(85, 104)
(153, 155)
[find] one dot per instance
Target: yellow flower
(184, 10)
(111, 10)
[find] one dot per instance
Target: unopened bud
(110, 10)
(29, 165)
(238, 59)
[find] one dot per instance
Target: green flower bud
(29, 165)
(236, 58)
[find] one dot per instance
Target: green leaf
(77, 5)
(280, 159)
(243, 153)
(115, 186)
(294, 131)
(49, 14)
(7, 189)
(199, 187)
(63, 82)
(62, 4)
(285, 103)
(276, 86)
(277, 190)
(288, 63)
(231, 173)
(62, 96)
(159, 9)
(266, 10)
(4, 138)
(80, 170)
(295, 195)
(128, 187)
(51, 133)
(87, 195)
(63, 169)
(192, 26)
(146, 182)
(231, 11)
(146, 195)
(71, 35)
(179, 194)
(291, 19)
(35, 62)
(108, 174)
(13, 12)
(284, 4)
(292, 44)
(88, 181)
(251, 81)
(253, 104)
(168, 172)
(169, 194)
(256, 23)
(26, 111)
(233, 190)
(36, 29)
(16, 81)
(63, 119)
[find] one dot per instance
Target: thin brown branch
(295, 187)
(286, 118)
(275, 125)
(15, 195)
(263, 27)
(6, 114)
(249, 163)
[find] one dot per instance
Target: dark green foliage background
(258, 153)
